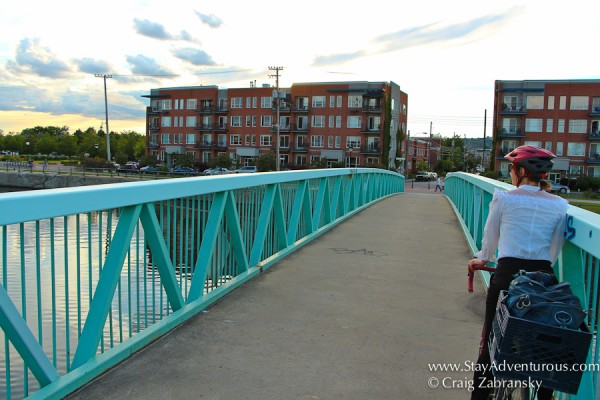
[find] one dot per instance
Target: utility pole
(484, 126)
(276, 76)
(106, 113)
(430, 128)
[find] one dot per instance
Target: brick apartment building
(562, 116)
(350, 123)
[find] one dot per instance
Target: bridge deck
(357, 314)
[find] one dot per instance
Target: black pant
(500, 280)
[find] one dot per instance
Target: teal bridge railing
(578, 262)
(92, 274)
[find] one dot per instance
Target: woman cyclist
(526, 225)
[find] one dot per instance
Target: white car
(217, 171)
(557, 188)
(247, 168)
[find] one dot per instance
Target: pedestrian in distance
(439, 184)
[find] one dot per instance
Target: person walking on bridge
(439, 185)
(527, 226)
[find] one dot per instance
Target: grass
(595, 208)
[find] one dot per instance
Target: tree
(223, 161)
(266, 162)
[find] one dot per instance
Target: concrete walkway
(357, 314)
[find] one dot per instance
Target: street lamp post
(278, 161)
(104, 76)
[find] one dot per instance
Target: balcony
(204, 127)
(370, 149)
(594, 135)
(203, 145)
(153, 128)
(300, 149)
(282, 128)
(221, 109)
(504, 151)
(297, 128)
(513, 109)
(375, 109)
(220, 146)
(512, 133)
(153, 145)
(205, 109)
(300, 109)
(594, 158)
(595, 111)
(372, 130)
(220, 127)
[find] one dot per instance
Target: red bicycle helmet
(536, 161)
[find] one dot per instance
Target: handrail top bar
(583, 227)
(17, 207)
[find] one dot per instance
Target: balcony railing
(203, 144)
(153, 145)
(594, 135)
(303, 128)
(370, 149)
(372, 109)
(594, 158)
(300, 108)
(300, 149)
(513, 109)
(282, 128)
(504, 151)
(371, 130)
(503, 132)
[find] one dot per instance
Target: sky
(444, 55)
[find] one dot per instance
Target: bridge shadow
(359, 313)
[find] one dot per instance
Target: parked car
(128, 168)
(558, 188)
(423, 176)
(247, 168)
(217, 171)
(149, 169)
(433, 176)
(183, 171)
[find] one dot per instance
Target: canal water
(50, 270)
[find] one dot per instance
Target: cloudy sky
(445, 55)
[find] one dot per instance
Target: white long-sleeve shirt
(525, 223)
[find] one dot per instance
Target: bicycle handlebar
(471, 274)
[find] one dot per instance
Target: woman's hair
(545, 185)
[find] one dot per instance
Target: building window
(165, 105)
(550, 102)
(178, 138)
(248, 120)
(248, 102)
(354, 101)
(562, 103)
(236, 102)
(575, 149)
(594, 172)
(165, 122)
(266, 102)
(577, 126)
(561, 126)
(338, 101)
(318, 121)
(190, 121)
(331, 123)
(301, 160)
(192, 104)
(549, 125)
(338, 142)
(353, 142)
(512, 103)
(338, 121)
(535, 102)
(509, 125)
(236, 120)
(533, 125)
(533, 143)
(190, 138)
(580, 102)
(165, 138)
(266, 121)
(352, 162)
(576, 170)
(266, 140)
(318, 101)
(316, 141)
(354, 122)
(331, 101)
(330, 142)
(548, 146)
(235, 140)
(284, 141)
(559, 148)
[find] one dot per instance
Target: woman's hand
(475, 262)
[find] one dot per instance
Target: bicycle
(518, 341)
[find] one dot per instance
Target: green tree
(67, 145)
(266, 162)
(223, 161)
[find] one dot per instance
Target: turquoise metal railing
(578, 262)
(92, 274)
